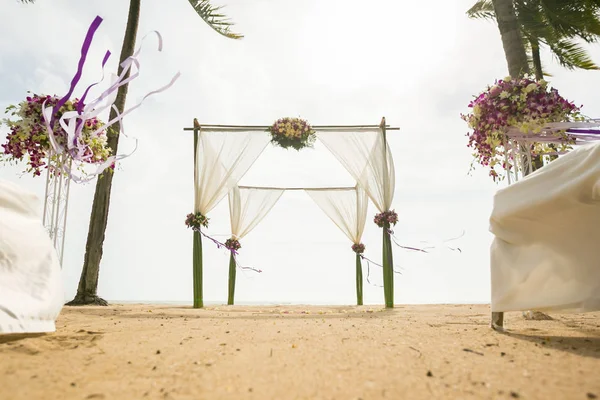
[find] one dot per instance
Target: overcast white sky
(330, 62)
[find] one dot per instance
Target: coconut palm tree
(558, 25)
(88, 282)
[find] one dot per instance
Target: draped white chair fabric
(31, 290)
(546, 251)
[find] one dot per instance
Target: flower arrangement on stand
(292, 132)
(523, 103)
(196, 221)
(389, 216)
(28, 138)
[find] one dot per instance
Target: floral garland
(233, 244)
(196, 221)
(292, 132)
(358, 248)
(389, 216)
(28, 138)
(522, 103)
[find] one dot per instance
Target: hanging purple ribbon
(72, 122)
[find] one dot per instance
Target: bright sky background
(331, 62)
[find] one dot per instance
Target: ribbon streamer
(369, 261)
(72, 122)
(234, 252)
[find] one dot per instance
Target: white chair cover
(546, 253)
(31, 290)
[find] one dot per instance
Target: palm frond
(211, 15)
(571, 55)
(483, 9)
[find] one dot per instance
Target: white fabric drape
(31, 290)
(222, 160)
(362, 154)
(546, 252)
(347, 208)
(248, 206)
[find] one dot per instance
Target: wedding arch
(224, 153)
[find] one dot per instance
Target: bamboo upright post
(388, 261)
(359, 281)
(197, 244)
(232, 273)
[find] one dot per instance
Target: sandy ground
(302, 352)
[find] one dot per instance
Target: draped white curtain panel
(31, 289)
(248, 206)
(346, 207)
(546, 252)
(362, 153)
(222, 159)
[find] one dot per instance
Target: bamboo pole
(232, 273)
(197, 244)
(359, 281)
(246, 128)
(388, 261)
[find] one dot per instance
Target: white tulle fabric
(361, 152)
(222, 160)
(546, 252)
(248, 206)
(31, 290)
(346, 207)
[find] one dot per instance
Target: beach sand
(302, 352)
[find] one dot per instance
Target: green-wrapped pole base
(388, 268)
(232, 272)
(359, 281)
(198, 298)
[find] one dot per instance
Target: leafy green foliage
(212, 16)
(555, 24)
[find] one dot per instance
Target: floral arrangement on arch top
(523, 103)
(292, 132)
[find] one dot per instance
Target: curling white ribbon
(72, 122)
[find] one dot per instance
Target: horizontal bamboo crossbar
(247, 128)
(297, 188)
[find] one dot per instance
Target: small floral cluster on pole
(233, 244)
(196, 221)
(358, 248)
(389, 216)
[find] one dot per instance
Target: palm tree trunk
(88, 282)
(537, 60)
(514, 50)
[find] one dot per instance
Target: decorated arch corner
(224, 153)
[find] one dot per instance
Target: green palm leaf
(483, 9)
(210, 14)
(571, 55)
